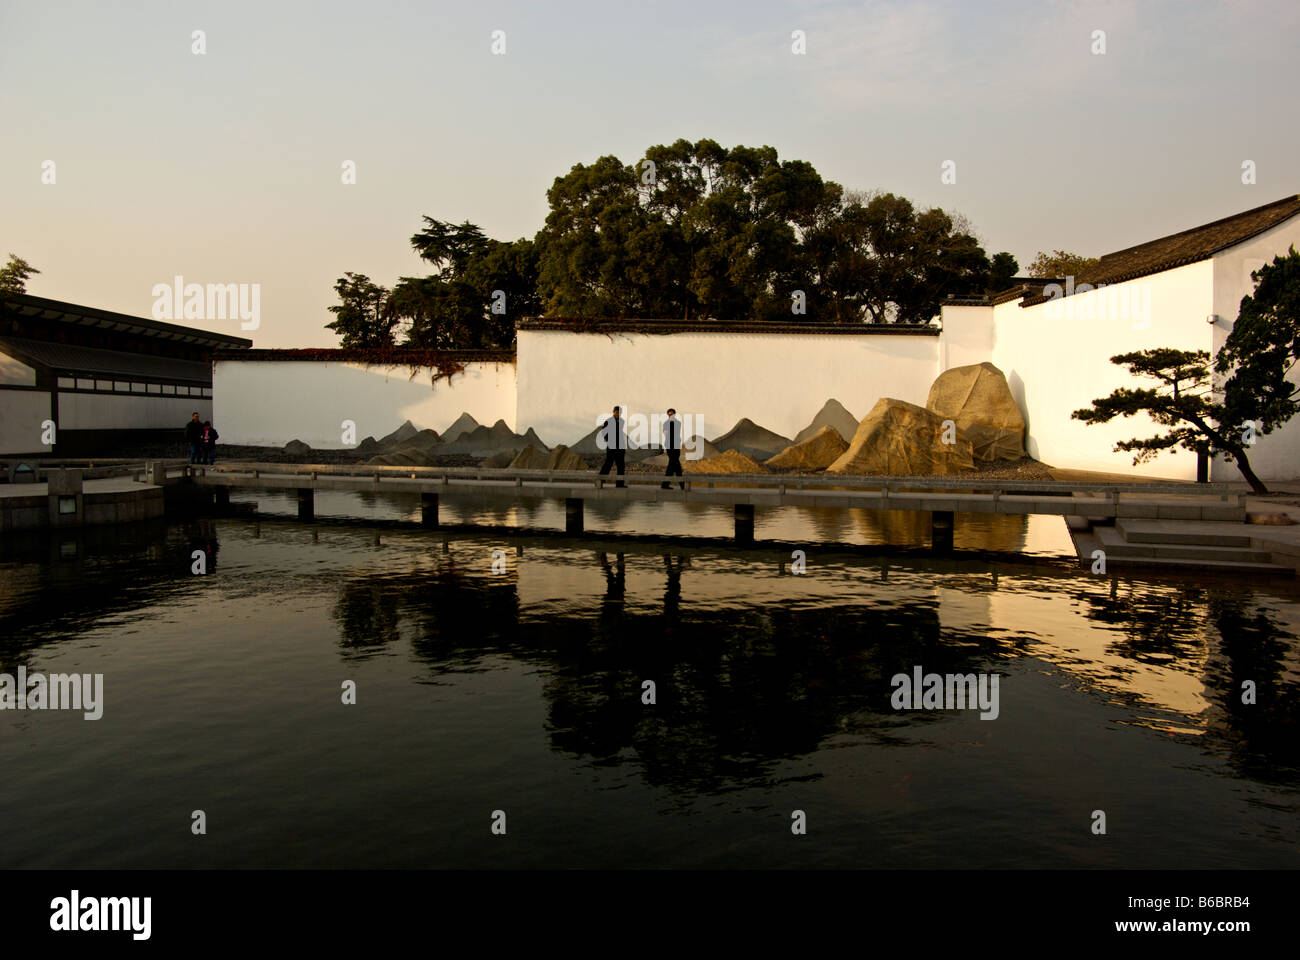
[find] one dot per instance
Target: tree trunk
(1243, 464)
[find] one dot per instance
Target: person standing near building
(614, 436)
(210, 436)
(194, 437)
(672, 438)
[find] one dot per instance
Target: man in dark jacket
(194, 437)
(614, 437)
(673, 447)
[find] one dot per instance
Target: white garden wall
(569, 381)
(270, 402)
(968, 336)
(1056, 357)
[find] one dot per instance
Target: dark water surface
(520, 690)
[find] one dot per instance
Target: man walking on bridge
(673, 447)
(614, 437)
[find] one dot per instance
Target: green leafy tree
(14, 274)
(1257, 397)
(1002, 270)
(1058, 264)
(450, 247)
(505, 280)
(693, 230)
(896, 263)
(1182, 402)
(364, 316)
(480, 287)
(438, 314)
(1261, 351)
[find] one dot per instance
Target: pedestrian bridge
(941, 497)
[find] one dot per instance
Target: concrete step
(1161, 531)
(1086, 543)
(1115, 544)
(1193, 566)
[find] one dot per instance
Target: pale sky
(226, 167)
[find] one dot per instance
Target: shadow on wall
(1018, 394)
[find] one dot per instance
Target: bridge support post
(941, 525)
(306, 503)
(428, 509)
(573, 515)
(744, 523)
(221, 497)
(64, 489)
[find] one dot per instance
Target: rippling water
(519, 689)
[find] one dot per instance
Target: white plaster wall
(569, 381)
(16, 372)
(968, 336)
(102, 411)
(1276, 456)
(21, 414)
(1056, 357)
(270, 402)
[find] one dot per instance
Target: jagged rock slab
(399, 436)
(530, 436)
(729, 461)
(529, 458)
(832, 414)
(976, 397)
(412, 457)
(463, 424)
(753, 441)
(814, 453)
(485, 441)
(425, 440)
(562, 458)
(901, 439)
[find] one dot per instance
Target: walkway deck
(955, 494)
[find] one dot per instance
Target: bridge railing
(771, 481)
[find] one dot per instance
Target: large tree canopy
(694, 231)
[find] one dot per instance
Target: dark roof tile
(1184, 247)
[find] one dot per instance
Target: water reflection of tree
(738, 689)
(1263, 738)
(1156, 624)
(1219, 633)
(367, 615)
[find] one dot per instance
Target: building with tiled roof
(78, 380)
(1054, 339)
